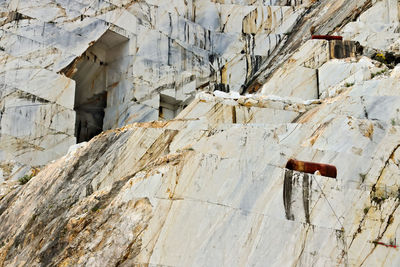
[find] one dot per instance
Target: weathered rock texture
(209, 187)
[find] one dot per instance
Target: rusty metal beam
(327, 37)
(311, 167)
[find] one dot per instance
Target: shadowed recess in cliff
(92, 72)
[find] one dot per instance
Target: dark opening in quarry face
(95, 70)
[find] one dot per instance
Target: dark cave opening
(92, 73)
(90, 94)
(89, 117)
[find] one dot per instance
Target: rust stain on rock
(254, 87)
(113, 85)
(71, 69)
(366, 129)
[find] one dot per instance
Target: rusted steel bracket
(312, 167)
(327, 37)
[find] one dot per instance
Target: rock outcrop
(206, 184)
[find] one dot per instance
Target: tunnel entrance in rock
(92, 72)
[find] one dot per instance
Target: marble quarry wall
(307, 61)
(98, 73)
(71, 70)
(74, 69)
(179, 177)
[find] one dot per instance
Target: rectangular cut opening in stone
(92, 72)
(169, 107)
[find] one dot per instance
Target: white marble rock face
(376, 28)
(207, 189)
(71, 69)
(181, 177)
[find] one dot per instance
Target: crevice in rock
(234, 114)
(303, 246)
(378, 201)
(133, 249)
(317, 75)
(388, 223)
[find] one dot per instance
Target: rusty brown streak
(312, 167)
